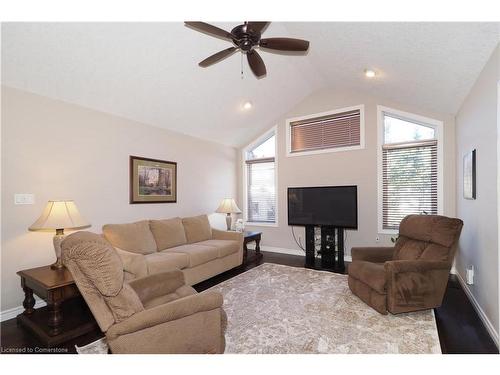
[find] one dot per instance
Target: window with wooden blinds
(260, 164)
(261, 193)
(409, 181)
(331, 131)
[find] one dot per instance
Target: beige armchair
(413, 274)
(152, 314)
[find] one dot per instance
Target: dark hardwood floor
(459, 327)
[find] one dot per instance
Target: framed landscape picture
(152, 180)
(470, 175)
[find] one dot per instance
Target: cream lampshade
(228, 206)
(59, 215)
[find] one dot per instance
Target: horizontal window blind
(326, 132)
(409, 180)
(261, 191)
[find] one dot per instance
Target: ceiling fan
(246, 38)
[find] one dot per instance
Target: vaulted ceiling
(148, 72)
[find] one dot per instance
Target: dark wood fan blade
(258, 26)
(285, 44)
(256, 63)
(217, 57)
(209, 29)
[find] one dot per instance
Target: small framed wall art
(152, 180)
(470, 175)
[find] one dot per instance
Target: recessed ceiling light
(247, 105)
(370, 73)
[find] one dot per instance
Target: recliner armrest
(401, 266)
(158, 284)
(415, 284)
(177, 309)
(226, 235)
(372, 254)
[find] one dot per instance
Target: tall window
(409, 167)
(261, 181)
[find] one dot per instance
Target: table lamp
(59, 215)
(228, 206)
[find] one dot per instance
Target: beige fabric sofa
(188, 244)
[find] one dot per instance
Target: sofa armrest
(227, 235)
(171, 311)
(133, 263)
(158, 284)
(372, 254)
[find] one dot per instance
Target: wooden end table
(66, 315)
(250, 236)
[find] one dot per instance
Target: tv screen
(327, 205)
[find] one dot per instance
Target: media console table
(332, 249)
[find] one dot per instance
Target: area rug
(279, 309)
(97, 347)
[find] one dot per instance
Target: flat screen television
(323, 205)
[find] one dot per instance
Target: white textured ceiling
(148, 72)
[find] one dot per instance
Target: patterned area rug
(280, 309)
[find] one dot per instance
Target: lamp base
(58, 238)
(58, 265)
(228, 221)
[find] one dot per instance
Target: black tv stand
(331, 252)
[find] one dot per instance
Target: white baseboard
(15, 311)
(283, 250)
(479, 310)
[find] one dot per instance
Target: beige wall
(57, 150)
(358, 167)
(476, 128)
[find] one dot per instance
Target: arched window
(409, 178)
(260, 177)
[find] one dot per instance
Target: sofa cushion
(225, 247)
(133, 237)
(371, 274)
(163, 261)
(168, 233)
(197, 228)
(198, 254)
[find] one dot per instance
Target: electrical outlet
(469, 275)
(377, 239)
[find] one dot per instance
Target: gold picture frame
(152, 180)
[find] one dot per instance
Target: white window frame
(361, 146)
(256, 142)
(426, 121)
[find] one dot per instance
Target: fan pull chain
(241, 62)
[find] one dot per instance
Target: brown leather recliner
(413, 274)
(152, 314)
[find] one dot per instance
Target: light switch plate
(24, 198)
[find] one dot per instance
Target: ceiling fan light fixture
(370, 73)
(247, 38)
